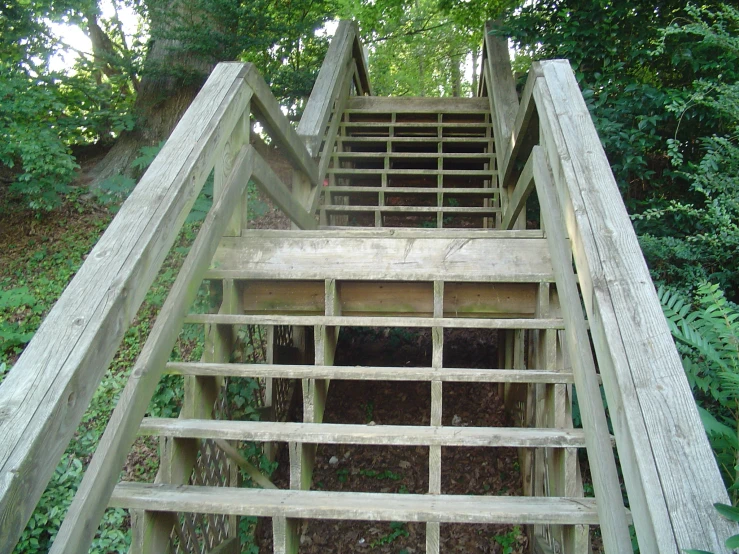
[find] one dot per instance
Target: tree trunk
(456, 75)
(163, 93)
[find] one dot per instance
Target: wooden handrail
(671, 476)
(344, 66)
(344, 49)
(44, 396)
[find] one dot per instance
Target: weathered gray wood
(513, 148)
(328, 83)
(84, 514)
(351, 321)
(340, 208)
(333, 129)
(44, 396)
(399, 232)
(414, 124)
(396, 435)
(356, 506)
(479, 191)
(612, 513)
(671, 476)
(502, 91)
(248, 468)
(517, 202)
(269, 113)
(433, 529)
(400, 104)
(415, 155)
(283, 256)
(344, 171)
(285, 371)
(484, 141)
(272, 185)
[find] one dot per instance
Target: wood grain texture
(353, 373)
(334, 433)
(356, 506)
(670, 473)
(43, 398)
(517, 201)
(326, 88)
(355, 321)
(280, 256)
(603, 469)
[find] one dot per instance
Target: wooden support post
(270, 393)
(315, 392)
(224, 165)
(437, 356)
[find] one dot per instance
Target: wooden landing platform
(476, 256)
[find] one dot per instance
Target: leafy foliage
(707, 336)
(44, 113)
(660, 82)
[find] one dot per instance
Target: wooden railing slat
(318, 109)
(272, 185)
(270, 114)
(44, 396)
(611, 512)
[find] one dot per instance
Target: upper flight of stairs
(407, 213)
(413, 162)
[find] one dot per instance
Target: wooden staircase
(407, 213)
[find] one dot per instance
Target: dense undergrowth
(35, 271)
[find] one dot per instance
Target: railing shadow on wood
(43, 398)
(549, 143)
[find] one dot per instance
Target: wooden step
(450, 375)
(380, 104)
(484, 156)
(386, 435)
(414, 124)
(352, 321)
(400, 255)
(449, 191)
(355, 506)
(459, 210)
(343, 171)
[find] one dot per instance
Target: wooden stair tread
(378, 321)
(380, 171)
(335, 433)
(369, 255)
(280, 371)
(355, 506)
(390, 190)
(410, 209)
(380, 104)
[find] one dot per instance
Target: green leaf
(729, 512)
(732, 542)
